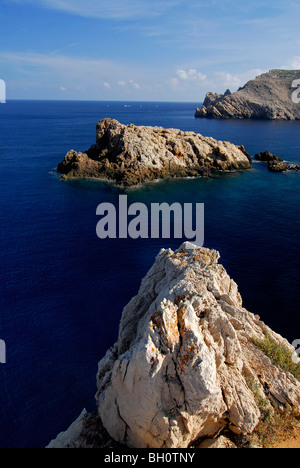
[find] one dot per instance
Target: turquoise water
(63, 289)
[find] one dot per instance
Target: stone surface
(219, 443)
(268, 97)
(182, 366)
(86, 432)
(280, 166)
(129, 155)
(266, 156)
(275, 163)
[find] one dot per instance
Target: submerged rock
(269, 97)
(129, 155)
(185, 366)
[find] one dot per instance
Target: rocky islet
(129, 155)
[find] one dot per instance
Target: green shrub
(279, 355)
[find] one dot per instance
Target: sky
(142, 50)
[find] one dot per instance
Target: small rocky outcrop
(129, 155)
(266, 156)
(268, 97)
(281, 166)
(275, 163)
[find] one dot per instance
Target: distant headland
(271, 96)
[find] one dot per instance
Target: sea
(63, 289)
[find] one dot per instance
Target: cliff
(187, 364)
(129, 155)
(267, 97)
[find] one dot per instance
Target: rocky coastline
(128, 155)
(268, 97)
(187, 369)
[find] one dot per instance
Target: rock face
(130, 155)
(266, 156)
(280, 166)
(185, 363)
(85, 433)
(268, 97)
(275, 163)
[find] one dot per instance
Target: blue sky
(164, 50)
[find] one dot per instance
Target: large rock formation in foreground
(267, 97)
(129, 155)
(185, 365)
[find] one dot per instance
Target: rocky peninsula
(128, 155)
(269, 97)
(188, 367)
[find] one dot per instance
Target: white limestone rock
(180, 369)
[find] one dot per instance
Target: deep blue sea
(63, 289)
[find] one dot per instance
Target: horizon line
(102, 100)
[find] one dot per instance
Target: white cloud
(88, 76)
(191, 74)
(116, 9)
(295, 63)
(234, 81)
(174, 82)
(135, 85)
(78, 73)
(81, 76)
(73, 66)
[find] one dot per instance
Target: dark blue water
(63, 290)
